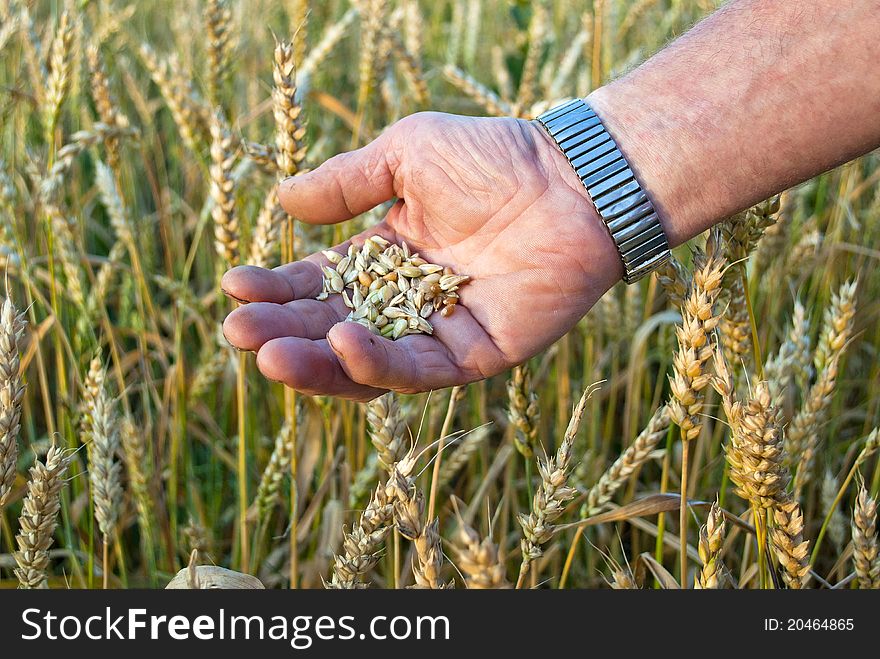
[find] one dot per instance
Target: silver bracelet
(611, 185)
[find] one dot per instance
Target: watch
(619, 199)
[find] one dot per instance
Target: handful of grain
(389, 290)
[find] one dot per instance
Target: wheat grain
(393, 291)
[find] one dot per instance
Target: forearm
(760, 96)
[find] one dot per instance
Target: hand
(491, 198)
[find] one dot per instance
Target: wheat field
(140, 145)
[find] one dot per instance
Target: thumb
(344, 186)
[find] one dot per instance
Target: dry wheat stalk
(362, 545)
(675, 281)
(836, 528)
(756, 452)
(108, 110)
(218, 19)
(277, 469)
(710, 547)
(478, 560)
(92, 384)
(803, 432)
(137, 463)
(226, 233)
(8, 28)
(39, 516)
(866, 549)
(264, 242)
(373, 19)
(290, 131)
(209, 371)
(411, 66)
(60, 67)
(741, 234)
(537, 35)
(393, 291)
(66, 254)
(552, 494)
(112, 201)
(482, 95)
(105, 470)
(409, 511)
(177, 92)
(462, 455)
(699, 320)
(388, 431)
(635, 455)
(79, 142)
(787, 539)
(792, 362)
(12, 328)
(572, 59)
(768, 254)
(320, 51)
(523, 410)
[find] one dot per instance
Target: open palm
(491, 198)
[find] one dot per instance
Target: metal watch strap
(611, 185)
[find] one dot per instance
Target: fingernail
(231, 296)
(333, 347)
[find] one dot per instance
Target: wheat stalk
(803, 432)
(362, 545)
(523, 410)
(12, 328)
(58, 81)
(226, 231)
(108, 109)
(482, 95)
(290, 130)
(635, 455)
(787, 539)
(218, 23)
(39, 517)
(478, 560)
(277, 469)
(710, 548)
(388, 431)
(866, 550)
(551, 496)
(105, 470)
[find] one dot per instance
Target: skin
(751, 101)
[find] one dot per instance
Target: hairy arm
(758, 97)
